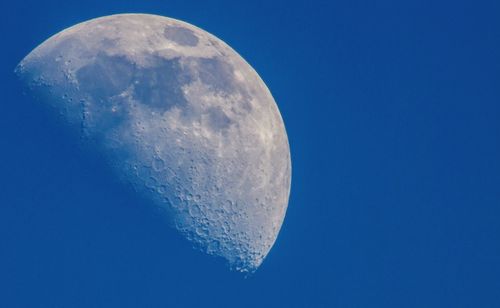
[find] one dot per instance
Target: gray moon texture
(182, 117)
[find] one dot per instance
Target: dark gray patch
(218, 120)
(106, 76)
(160, 86)
(218, 75)
(181, 36)
(102, 81)
(215, 73)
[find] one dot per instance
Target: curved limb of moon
(181, 116)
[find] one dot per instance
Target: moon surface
(182, 117)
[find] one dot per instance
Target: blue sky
(392, 111)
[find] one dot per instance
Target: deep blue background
(392, 111)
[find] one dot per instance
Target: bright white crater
(181, 116)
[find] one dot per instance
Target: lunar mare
(182, 117)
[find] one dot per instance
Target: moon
(179, 115)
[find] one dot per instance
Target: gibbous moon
(182, 117)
